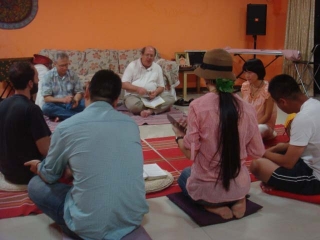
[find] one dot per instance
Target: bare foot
(239, 208)
(224, 212)
(146, 113)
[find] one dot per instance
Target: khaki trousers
(135, 105)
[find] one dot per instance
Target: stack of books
(153, 172)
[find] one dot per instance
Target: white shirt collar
(148, 69)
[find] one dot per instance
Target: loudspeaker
(256, 19)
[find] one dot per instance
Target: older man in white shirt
(144, 78)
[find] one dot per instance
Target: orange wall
(169, 25)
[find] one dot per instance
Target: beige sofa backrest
(76, 58)
(86, 63)
(127, 56)
(97, 59)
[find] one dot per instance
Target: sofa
(86, 63)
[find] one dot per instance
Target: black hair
(20, 73)
(105, 85)
(255, 65)
(229, 142)
(284, 86)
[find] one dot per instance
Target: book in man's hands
(153, 172)
(175, 123)
(152, 103)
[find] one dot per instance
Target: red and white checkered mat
(163, 151)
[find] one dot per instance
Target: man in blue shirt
(102, 148)
(62, 90)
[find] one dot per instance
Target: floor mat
(201, 216)
(13, 204)
(163, 151)
(304, 198)
(157, 119)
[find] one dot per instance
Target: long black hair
(228, 142)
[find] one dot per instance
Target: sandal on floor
(186, 103)
(182, 102)
(179, 102)
(190, 100)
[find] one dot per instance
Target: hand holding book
(152, 103)
(179, 127)
(142, 91)
(152, 94)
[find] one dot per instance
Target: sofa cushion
(170, 71)
(76, 58)
(85, 78)
(126, 57)
(97, 59)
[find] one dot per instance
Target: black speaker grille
(256, 19)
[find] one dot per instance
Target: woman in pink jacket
(222, 130)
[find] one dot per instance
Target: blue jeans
(62, 110)
(50, 198)
(182, 181)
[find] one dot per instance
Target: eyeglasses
(149, 55)
(63, 65)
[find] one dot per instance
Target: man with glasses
(143, 78)
(62, 90)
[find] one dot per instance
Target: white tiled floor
(280, 218)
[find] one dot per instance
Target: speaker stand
(254, 43)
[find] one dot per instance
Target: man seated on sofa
(294, 166)
(24, 134)
(144, 78)
(62, 90)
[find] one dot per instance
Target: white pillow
(8, 186)
(42, 70)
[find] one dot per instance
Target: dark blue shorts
(299, 179)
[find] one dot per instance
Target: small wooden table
(186, 72)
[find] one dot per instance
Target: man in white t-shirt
(144, 78)
(294, 166)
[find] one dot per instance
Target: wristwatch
(178, 138)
